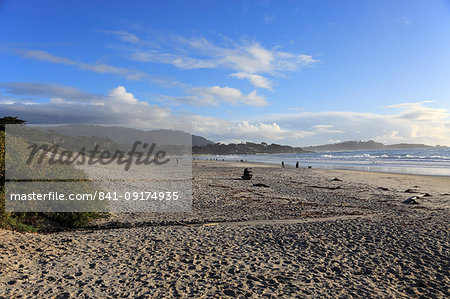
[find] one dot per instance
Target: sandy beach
(285, 233)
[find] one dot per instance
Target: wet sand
(309, 232)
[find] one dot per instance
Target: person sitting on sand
(247, 174)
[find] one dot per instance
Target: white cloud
(256, 80)
(70, 105)
(259, 130)
(418, 112)
(8, 100)
(187, 63)
(414, 131)
(246, 57)
(334, 141)
(408, 125)
(121, 95)
(213, 95)
(123, 35)
(227, 131)
(326, 129)
(45, 56)
(38, 90)
(405, 21)
(109, 69)
(264, 131)
(98, 68)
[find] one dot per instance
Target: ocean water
(424, 161)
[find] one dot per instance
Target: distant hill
(201, 145)
(123, 135)
(361, 145)
(245, 148)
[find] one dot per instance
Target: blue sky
(290, 72)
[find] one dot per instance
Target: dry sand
(310, 233)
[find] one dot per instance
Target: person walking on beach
(282, 164)
(296, 165)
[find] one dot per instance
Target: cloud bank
(405, 122)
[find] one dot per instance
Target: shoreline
(274, 165)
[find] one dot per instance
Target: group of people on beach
(247, 175)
